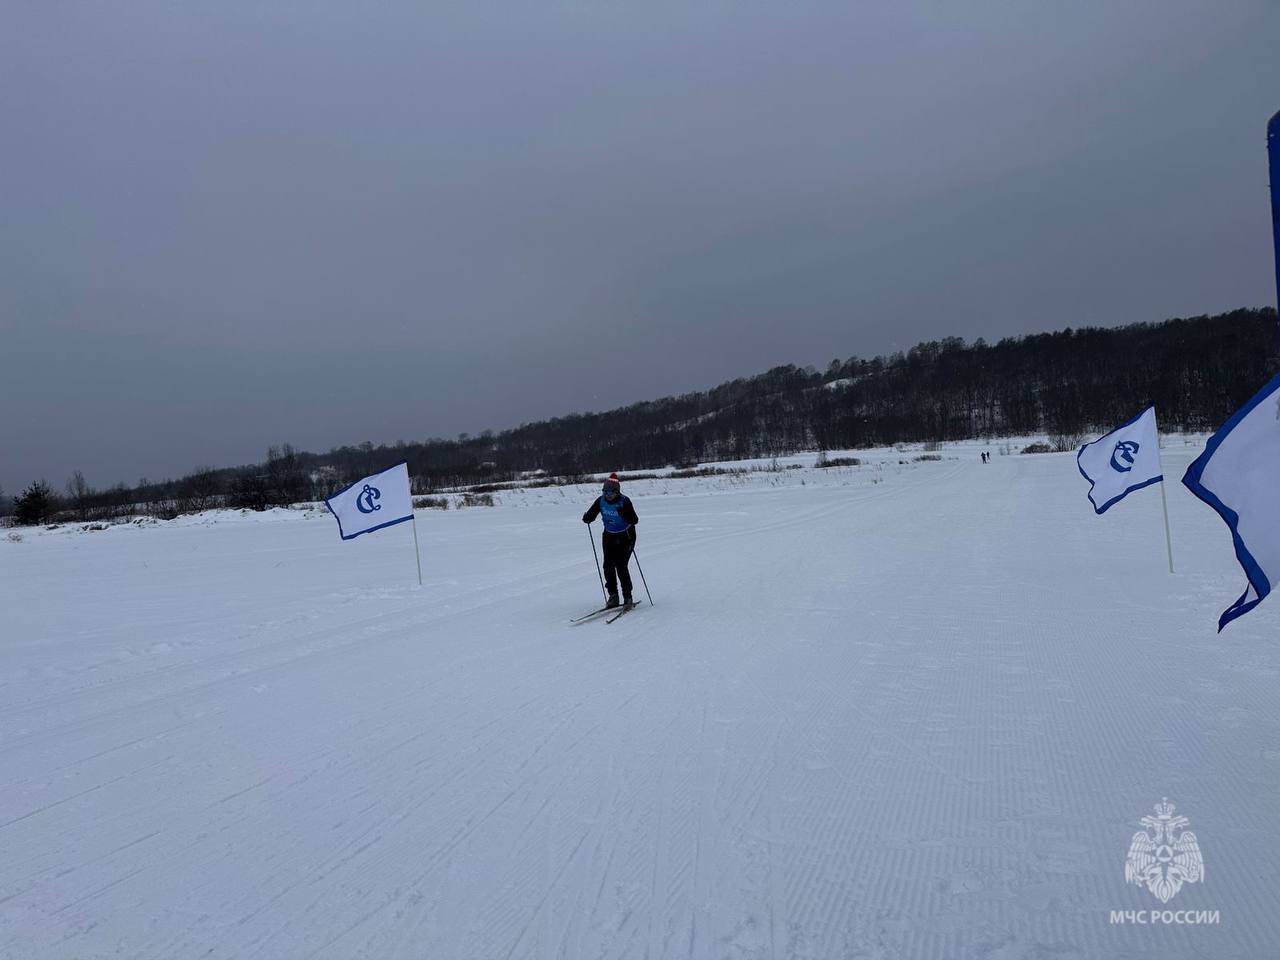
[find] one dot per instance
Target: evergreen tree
(36, 505)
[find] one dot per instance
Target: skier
(618, 538)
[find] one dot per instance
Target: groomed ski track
(899, 710)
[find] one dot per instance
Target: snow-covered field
(897, 710)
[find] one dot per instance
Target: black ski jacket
(625, 509)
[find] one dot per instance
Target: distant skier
(618, 538)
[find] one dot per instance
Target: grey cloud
(326, 223)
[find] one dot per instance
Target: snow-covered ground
(896, 710)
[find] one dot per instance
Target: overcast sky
(223, 228)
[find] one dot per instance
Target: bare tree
(119, 500)
(287, 480)
(200, 490)
(79, 495)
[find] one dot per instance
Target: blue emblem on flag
(1122, 455)
(1122, 461)
(364, 502)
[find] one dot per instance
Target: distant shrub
(14, 537)
(540, 482)
(928, 456)
(932, 445)
(163, 510)
(476, 500)
(1066, 441)
(1037, 448)
(431, 503)
(838, 462)
(250, 491)
(704, 472)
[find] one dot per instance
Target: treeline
(1197, 371)
(281, 480)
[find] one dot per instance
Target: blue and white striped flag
(1239, 476)
(378, 501)
(1125, 460)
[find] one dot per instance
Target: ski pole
(642, 579)
(592, 537)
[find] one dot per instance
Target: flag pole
(1273, 167)
(418, 553)
(1164, 503)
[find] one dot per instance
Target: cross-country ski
(625, 608)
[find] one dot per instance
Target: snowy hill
(911, 708)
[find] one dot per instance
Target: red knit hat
(613, 482)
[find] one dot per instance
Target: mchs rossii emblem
(1164, 856)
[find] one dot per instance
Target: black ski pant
(617, 554)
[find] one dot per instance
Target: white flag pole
(418, 553)
(1164, 502)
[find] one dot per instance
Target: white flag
(1125, 460)
(1239, 476)
(373, 503)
